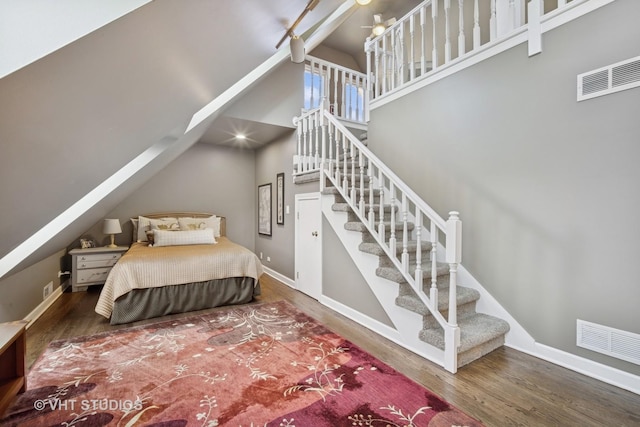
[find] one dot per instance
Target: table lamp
(111, 227)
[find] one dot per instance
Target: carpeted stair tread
(392, 273)
(475, 330)
(334, 190)
(358, 226)
(306, 177)
(344, 207)
(374, 248)
(464, 295)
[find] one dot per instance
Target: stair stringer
(407, 323)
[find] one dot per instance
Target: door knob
(314, 234)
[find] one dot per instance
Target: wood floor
(505, 388)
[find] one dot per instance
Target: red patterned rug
(255, 365)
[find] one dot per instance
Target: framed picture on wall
(280, 198)
(264, 209)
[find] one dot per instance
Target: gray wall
(22, 291)
(547, 187)
(206, 178)
(341, 280)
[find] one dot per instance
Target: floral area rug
(254, 365)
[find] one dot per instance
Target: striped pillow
(187, 237)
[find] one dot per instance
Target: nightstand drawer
(97, 263)
(93, 275)
(99, 257)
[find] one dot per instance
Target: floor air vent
(610, 79)
(612, 342)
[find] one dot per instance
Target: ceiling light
(378, 29)
(363, 2)
(297, 49)
(241, 136)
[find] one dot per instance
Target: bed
(178, 262)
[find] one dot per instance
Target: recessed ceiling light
(241, 136)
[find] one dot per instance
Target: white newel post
(535, 9)
(453, 258)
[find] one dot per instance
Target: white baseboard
(595, 370)
(364, 320)
(281, 277)
(44, 305)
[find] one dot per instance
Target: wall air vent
(612, 342)
(610, 79)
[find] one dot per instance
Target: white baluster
(493, 22)
(412, 60)
(381, 229)
(434, 19)
(299, 152)
(337, 139)
(461, 39)
(418, 273)
(345, 170)
(323, 151)
(400, 62)
(354, 196)
(423, 60)
(313, 84)
(368, 95)
(447, 39)
(361, 163)
(434, 266)
(335, 92)
(476, 25)
(343, 79)
(378, 85)
(393, 61)
(392, 229)
(316, 154)
(561, 3)
(405, 234)
(385, 88)
(371, 216)
(512, 15)
(453, 257)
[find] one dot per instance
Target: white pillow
(145, 224)
(212, 222)
(187, 237)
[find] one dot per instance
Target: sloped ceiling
(75, 117)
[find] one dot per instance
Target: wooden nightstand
(12, 362)
(92, 266)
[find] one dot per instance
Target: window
(313, 89)
(354, 102)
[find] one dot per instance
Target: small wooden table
(12, 362)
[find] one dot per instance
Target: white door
(308, 246)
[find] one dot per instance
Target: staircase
(414, 273)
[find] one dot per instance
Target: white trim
(368, 322)
(595, 370)
(44, 305)
(278, 276)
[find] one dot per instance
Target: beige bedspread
(147, 267)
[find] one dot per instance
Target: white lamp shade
(111, 226)
(297, 50)
(363, 2)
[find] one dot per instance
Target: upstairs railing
(436, 33)
(410, 232)
(345, 89)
